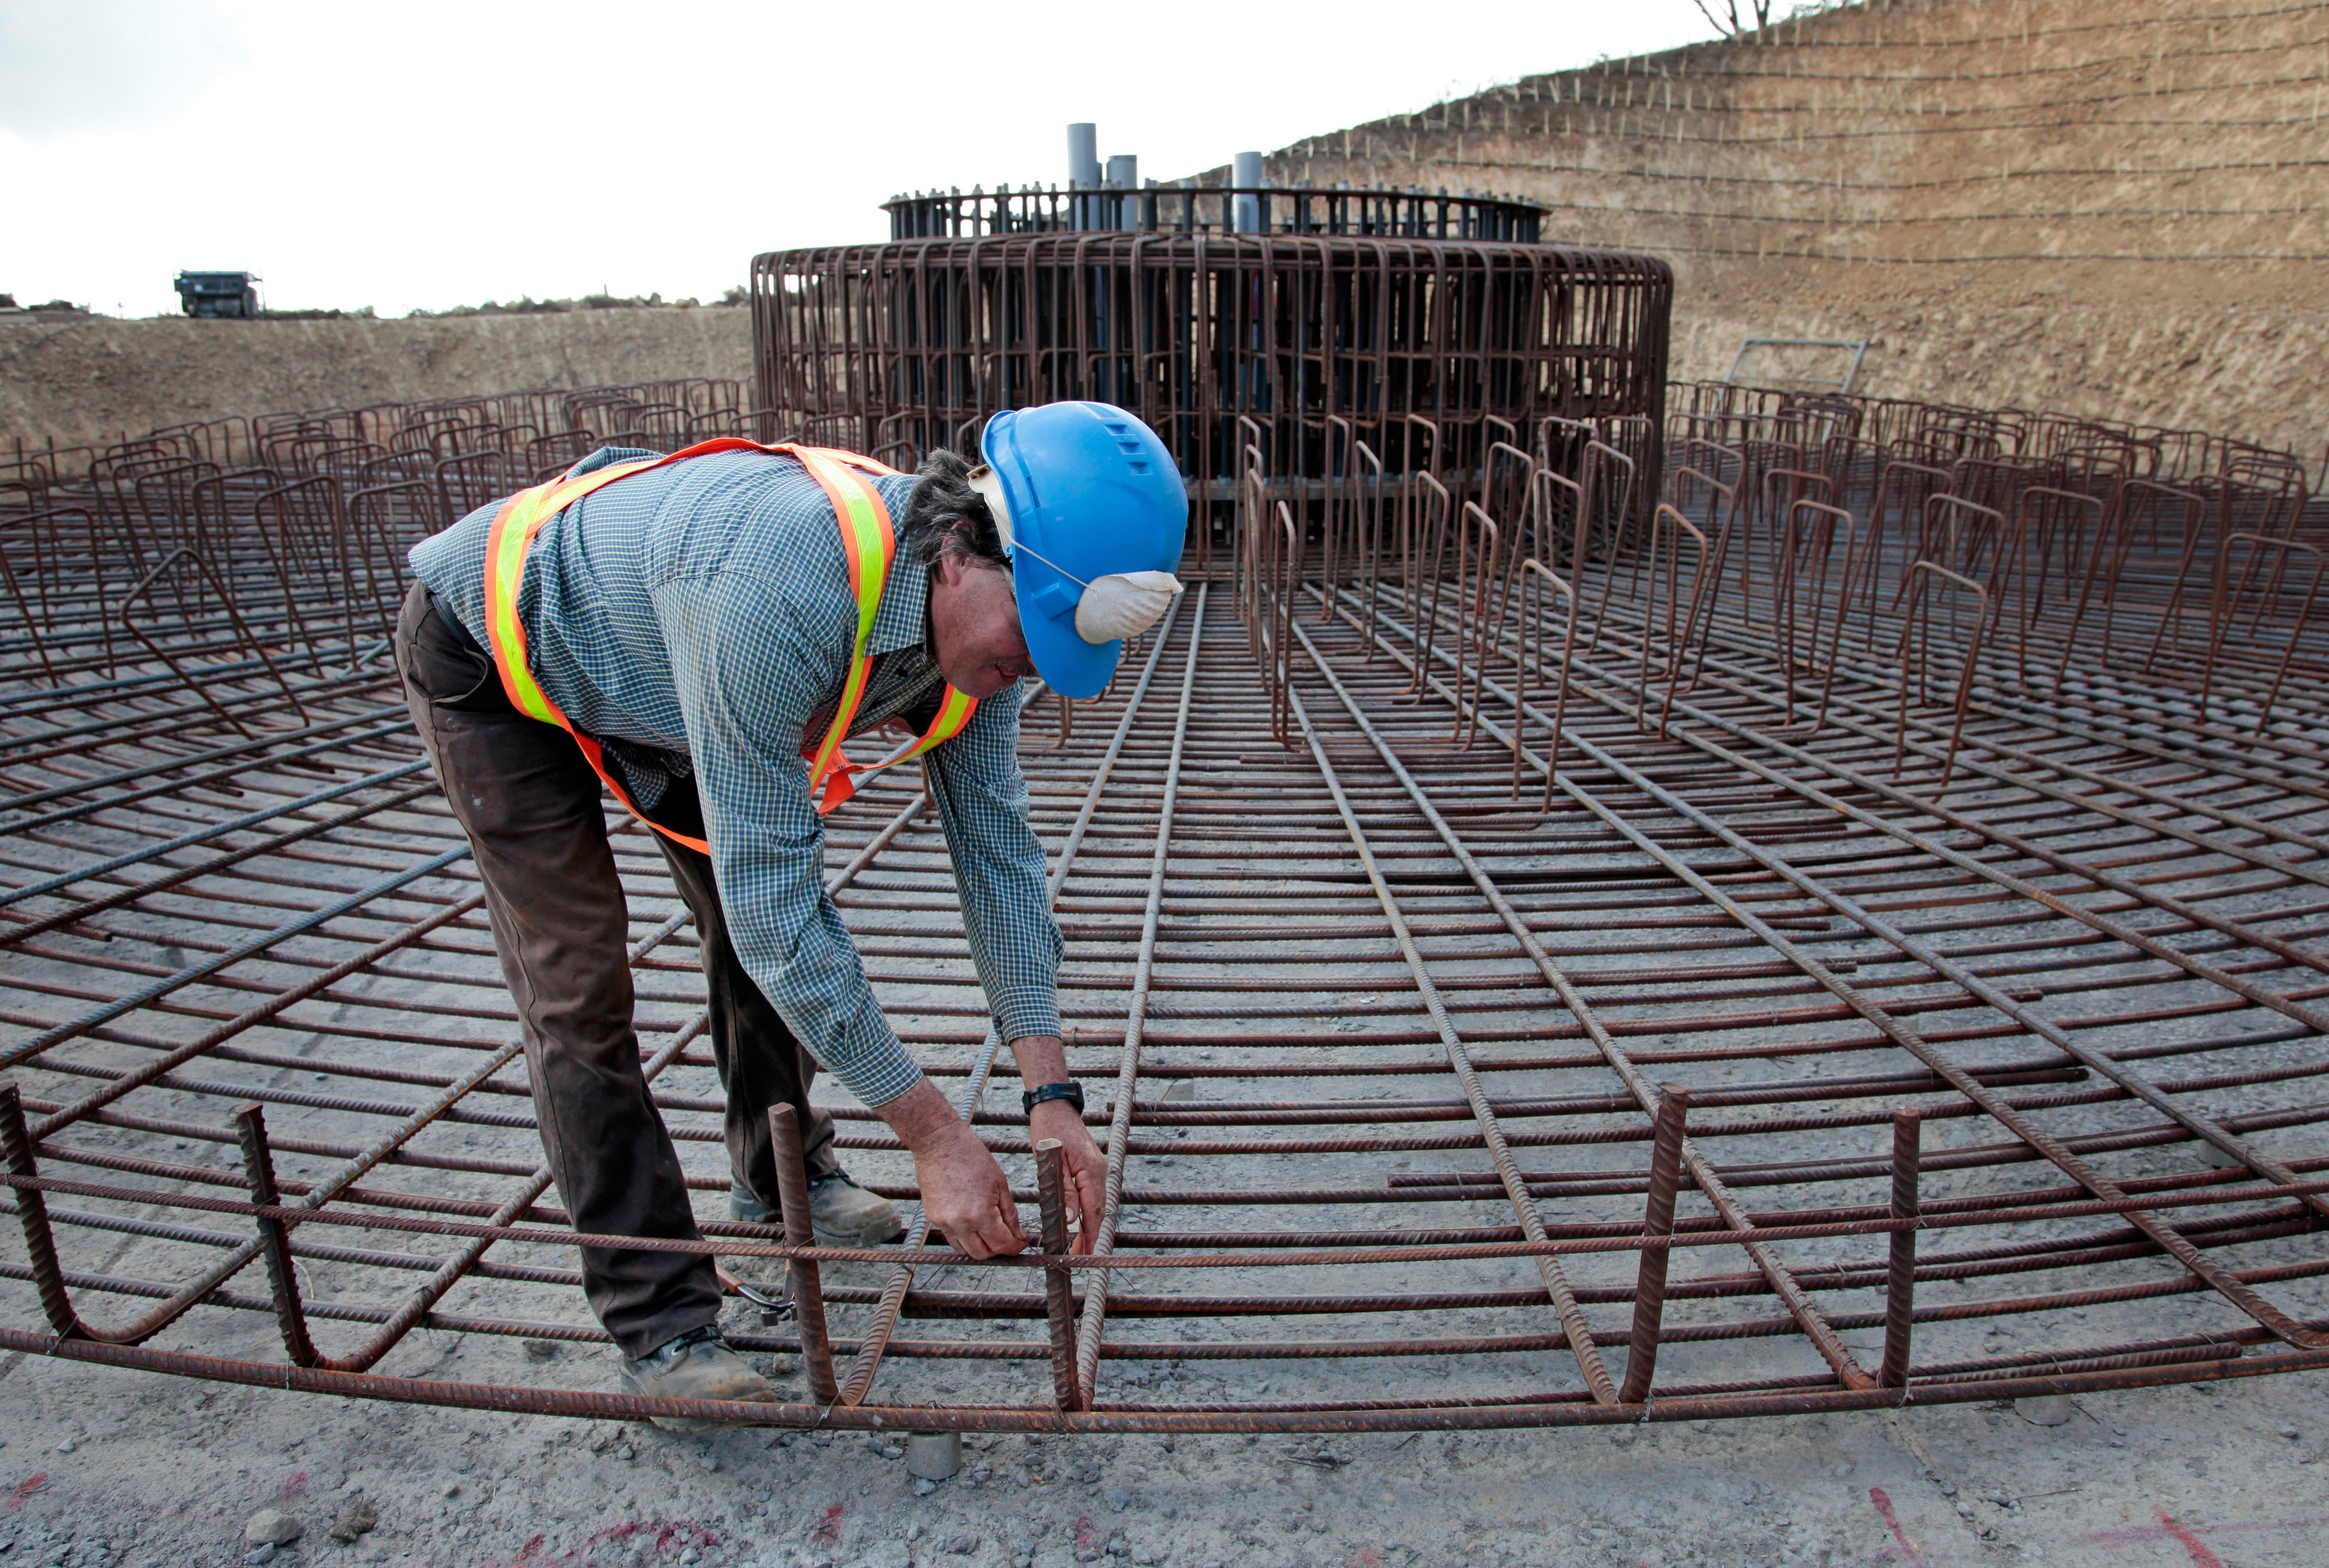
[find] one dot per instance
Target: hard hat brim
(1068, 664)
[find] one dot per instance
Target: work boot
(698, 1364)
(842, 1213)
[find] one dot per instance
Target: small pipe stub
(933, 1456)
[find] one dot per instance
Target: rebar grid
(1897, 989)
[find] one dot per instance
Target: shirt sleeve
(745, 673)
(999, 868)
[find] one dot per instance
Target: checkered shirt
(698, 617)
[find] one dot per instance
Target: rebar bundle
(1829, 916)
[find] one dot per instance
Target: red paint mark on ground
(1892, 1521)
(25, 1489)
(1366, 1557)
(2193, 1546)
(828, 1529)
(2169, 1529)
(531, 1549)
(295, 1484)
(1086, 1536)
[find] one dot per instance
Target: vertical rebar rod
(273, 1236)
(1900, 1276)
(33, 1210)
(1657, 1219)
(1058, 1290)
(809, 1291)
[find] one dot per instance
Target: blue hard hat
(1091, 492)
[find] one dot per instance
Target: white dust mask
(1124, 604)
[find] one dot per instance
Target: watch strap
(1071, 1091)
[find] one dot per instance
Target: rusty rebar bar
(1657, 1223)
(1059, 1282)
(1901, 1262)
(800, 1231)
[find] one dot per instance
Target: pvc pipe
(1245, 174)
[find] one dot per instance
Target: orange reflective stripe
(868, 541)
(954, 712)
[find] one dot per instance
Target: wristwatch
(1071, 1092)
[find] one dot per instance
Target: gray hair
(945, 516)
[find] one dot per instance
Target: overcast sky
(442, 152)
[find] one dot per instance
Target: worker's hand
(964, 1193)
(1081, 1162)
(968, 1198)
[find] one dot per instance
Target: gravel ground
(103, 1467)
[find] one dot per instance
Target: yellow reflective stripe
(506, 632)
(865, 535)
(954, 712)
(867, 541)
(853, 691)
(522, 517)
(953, 715)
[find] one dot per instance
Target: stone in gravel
(354, 1519)
(540, 1349)
(271, 1527)
(709, 1461)
(2291, 1433)
(962, 1545)
(1117, 1498)
(1841, 1470)
(924, 1488)
(264, 1553)
(2043, 1410)
(67, 1446)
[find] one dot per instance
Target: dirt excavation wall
(2112, 209)
(90, 379)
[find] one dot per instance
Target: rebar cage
(1219, 342)
(1840, 924)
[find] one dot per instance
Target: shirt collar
(902, 620)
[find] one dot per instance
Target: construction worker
(700, 634)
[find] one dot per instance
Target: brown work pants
(535, 815)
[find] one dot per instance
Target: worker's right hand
(967, 1197)
(965, 1194)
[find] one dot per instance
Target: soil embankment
(89, 379)
(2118, 213)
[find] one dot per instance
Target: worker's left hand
(1081, 1162)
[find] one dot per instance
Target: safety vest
(867, 539)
